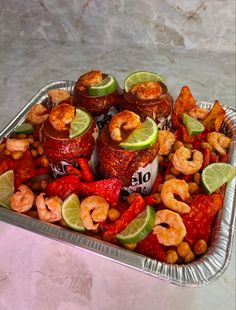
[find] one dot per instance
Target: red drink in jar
(150, 98)
(62, 150)
(137, 169)
(100, 101)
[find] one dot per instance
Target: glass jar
(159, 109)
(136, 169)
(61, 150)
(102, 108)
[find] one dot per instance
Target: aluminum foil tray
(200, 272)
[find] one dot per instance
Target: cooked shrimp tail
(183, 163)
(175, 187)
(93, 210)
(219, 142)
(174, 233)
(166, 139)
(38, 114)
(147, 90)
(198, 113)
(23, 199)
(49, 209)
(126, 120)
(61, 116)
(58, 95)
(21, 145)
(90, 79)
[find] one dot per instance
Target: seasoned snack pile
(60, 168)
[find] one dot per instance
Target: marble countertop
(40, 273)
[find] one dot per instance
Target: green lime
(24, 128)
(71, 212)
(139, 77)
(6, 188)
(106, 87)
(142, 137)
(217, 174)
(139, 227)
(80, 123)
(194, 127)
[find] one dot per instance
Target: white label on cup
(101, 120)
(142, 180)
(93, 162)
(164, 123)
(59, 170)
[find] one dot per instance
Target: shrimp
(198, 113)
(165, 140)
(58, 95)
(93, 209)
(61, 116)
(90, 79)
(49, 209)
(37, 114)
(219, 142)
(147, 90)
(182, 163)
(23, 199)
(180, 188)
(174, 233)
(127, 120)
(18, 144)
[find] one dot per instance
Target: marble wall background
(199, 24)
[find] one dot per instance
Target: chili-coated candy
(72, 170)
(87, 175)
(135, 208)
(206, 157)
(199, 220)
(107, 188)
(64, 186)
(151, 247)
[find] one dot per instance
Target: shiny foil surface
(200, 272)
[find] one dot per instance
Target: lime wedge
(6, 188)
(217, 174)
(71, 212)
(24, 128)
(139, 77)
(139, 228)
(194, 127)
(79, 124)
(142, 137)
(106, 87)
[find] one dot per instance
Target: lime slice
(139, 77)
(80, 123)
(6, 188)
(24, 128)
(194, 127)
(217, 174)
(142, 137)
(71, 212)
(139, 228)
(106, 87)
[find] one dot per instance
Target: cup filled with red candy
(99, 93)
(149, 178)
